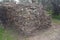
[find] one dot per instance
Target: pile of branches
(24, 18)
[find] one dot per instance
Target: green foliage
(50, 12)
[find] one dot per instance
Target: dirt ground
(52, 33)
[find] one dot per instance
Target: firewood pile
(24, 18)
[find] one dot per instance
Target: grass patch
(56, 19)
(1, 33)
(6, 35)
